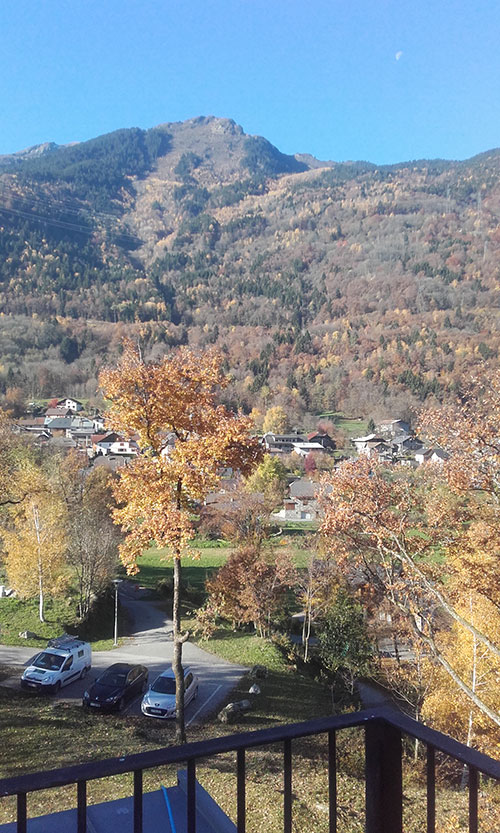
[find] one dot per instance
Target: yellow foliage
(449, 708)
(34, 541)
(276, 419)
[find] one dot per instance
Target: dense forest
(326, 285)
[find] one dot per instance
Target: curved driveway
(150, 644)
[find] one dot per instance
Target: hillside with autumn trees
(371, 289)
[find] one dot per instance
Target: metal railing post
(332, 781)
(21, 813)
(473, 795)
(138, 801)
(241, 798)
(81, 810)
(431, 789)
(384, 778)
(191, 796)
(287, 786)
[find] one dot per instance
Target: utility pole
(116, 582)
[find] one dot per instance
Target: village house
(56, 411)
(99, 423)
(405, 444)
(323, 439)
(113, 443)
(300, 504)
(431, 455)
(305, 448)
(72, 405)
(317, 441)
(58, 426)
(392, 427)
(61, 442)
(81, 423)
(82, 429)
(373, 446)
(281, 443)
(33, 424)
(110, 462)
(226, 494)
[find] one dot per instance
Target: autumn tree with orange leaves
(428, 541)
(185, 439)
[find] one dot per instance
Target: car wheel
(144, 686)
(120, 704)
(57, 688)
(83, 672)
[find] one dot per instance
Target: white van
(65, 659)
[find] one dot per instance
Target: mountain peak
(32, 152)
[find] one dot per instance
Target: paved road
(150, 644)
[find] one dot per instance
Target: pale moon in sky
(398, 55)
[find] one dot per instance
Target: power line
(70, 205)
(64, 224)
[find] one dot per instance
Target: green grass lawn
(298, 528)
(17, 616)
(155, 565)
(235, 646)
(242, 648)
(352, 426)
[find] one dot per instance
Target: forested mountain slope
(327, 284)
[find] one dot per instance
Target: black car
(117, 685)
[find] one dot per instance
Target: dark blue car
(116, 686)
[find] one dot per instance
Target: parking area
(150, 644)
(212, 691)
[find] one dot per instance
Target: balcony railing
(384, 729)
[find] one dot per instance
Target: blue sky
(382, 80)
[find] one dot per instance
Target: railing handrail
(246, 740)
(444, 743)
(179, 754)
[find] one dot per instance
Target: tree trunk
(180, 728)
(40, 593)
(36, 520)
(473, 675)
(415, 751)
(306, 638)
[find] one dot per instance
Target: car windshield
(50, 661)
(164, 685)
(113, 678)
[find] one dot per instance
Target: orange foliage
(185, 437)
